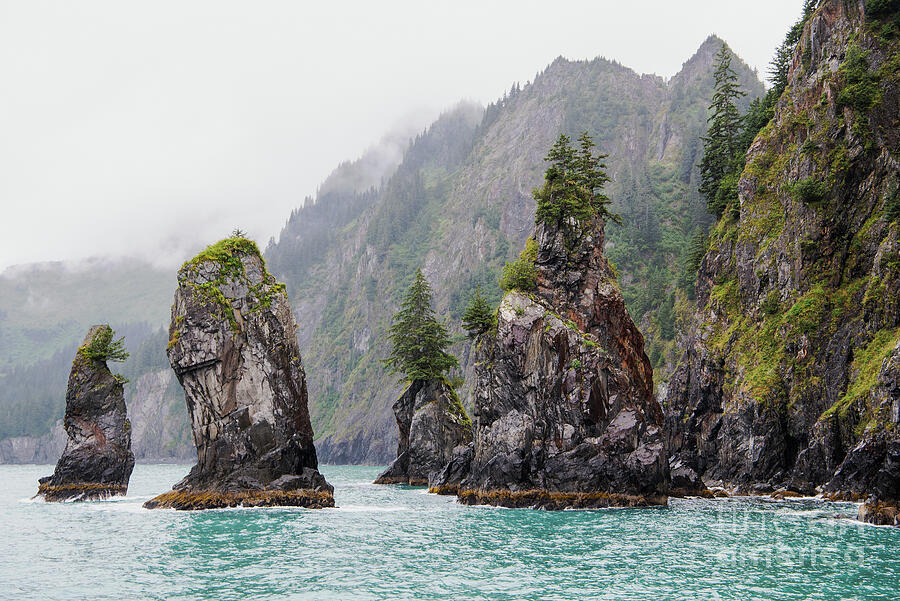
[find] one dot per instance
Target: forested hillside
(459, 206)
(47, 307)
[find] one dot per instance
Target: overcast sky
(150, 129)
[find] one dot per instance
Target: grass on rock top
(228, 255)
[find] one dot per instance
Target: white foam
(369, 508)
(128, 506)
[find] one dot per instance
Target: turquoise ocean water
(390, 542)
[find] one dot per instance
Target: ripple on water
(394, 542)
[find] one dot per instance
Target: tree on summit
(722, 153)
(103, 346)
(573, 184)
(419, 341)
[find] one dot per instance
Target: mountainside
(456, 202)
(46, 307)
(789, 373)
(459, 205)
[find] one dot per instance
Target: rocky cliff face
(34, 449)
(432, 424)
(787, 379)
(160, 429)
(234, 350)
(97, 460)
(871, 469)
(564, 409)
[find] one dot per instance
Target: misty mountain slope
(460, 205)
(47, 307)
(350, 189)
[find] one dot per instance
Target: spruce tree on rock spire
(419, 341)
(478, 316)
(573, 184)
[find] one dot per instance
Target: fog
(149, 130)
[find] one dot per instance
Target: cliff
(564, 409)
(234, 350)
(787, 375)
(97, 460)
(432, 424)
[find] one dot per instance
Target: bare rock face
(97, 461)
(234, 350)
(432, 424)
(564, 409)
(685, 482)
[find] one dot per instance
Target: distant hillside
(48, 307)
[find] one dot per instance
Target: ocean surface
(393, 542)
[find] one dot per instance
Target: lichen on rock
(432, 424)
(564, 409)
(97, 461)
(234, 350)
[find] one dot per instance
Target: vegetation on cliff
(103, 347)
(227, 256)
(521, 273)
(797, 291)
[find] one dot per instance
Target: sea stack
(234, 350)
(432, 424)
(97, 461)
(565, 415)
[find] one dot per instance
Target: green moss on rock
(228, 255)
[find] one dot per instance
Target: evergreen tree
(573, 184)
(102, 347)
(722, 143)
(478, 317)
(781, 63)
(418, 339)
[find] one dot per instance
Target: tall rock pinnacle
(97, 461)
(234, 349)
(564, 409)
